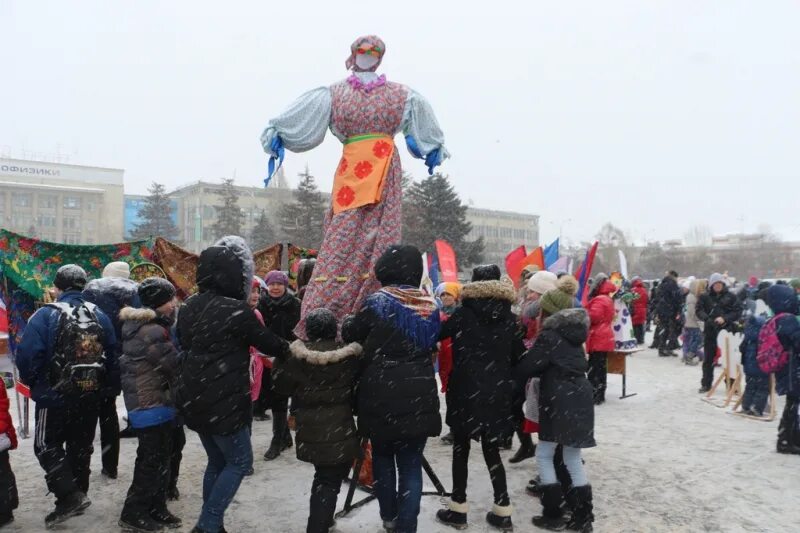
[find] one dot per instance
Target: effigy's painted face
(367, 61)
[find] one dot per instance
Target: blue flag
(551, 254)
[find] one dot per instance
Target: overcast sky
(653, 115)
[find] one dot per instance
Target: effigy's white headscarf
(366, 54)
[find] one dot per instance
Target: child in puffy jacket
(757, 389)
(8, 441)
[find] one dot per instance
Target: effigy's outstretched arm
(300, 128)
(424, 136)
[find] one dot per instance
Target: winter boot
(787, 430)
(280, 429)
(582, 516)
(552, 517)
(500, 517)
(6, 518)
(534, 488)
(72, 505)
(526, 450)
(167, 519)
(447, 440)
(139, 523)
(454, 516)
(389, 526)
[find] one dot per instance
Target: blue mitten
(278, 152)
(411, 144)
(433, 160)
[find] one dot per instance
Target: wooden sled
(734, 390)
(773, 409)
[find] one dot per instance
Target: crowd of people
(510, 362)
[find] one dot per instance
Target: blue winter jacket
(749, 346)
(36, 348)
(782, 299)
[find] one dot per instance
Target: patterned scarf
(411, 311)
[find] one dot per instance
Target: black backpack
(79, 362)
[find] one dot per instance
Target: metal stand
(624, 385)
(617, 363)
(348, 502)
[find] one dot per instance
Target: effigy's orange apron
(362, 171)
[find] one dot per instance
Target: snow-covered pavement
(665, 461)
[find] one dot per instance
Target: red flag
(447, 261)
(585, 274)
(514, 263)
(536, 257)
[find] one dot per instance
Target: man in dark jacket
(64, 419)
(398, 405)
(111, 294)
(667, 309)
(281, 312)
(216, 328)
(320, 377)
(149, 364)
(718, 309)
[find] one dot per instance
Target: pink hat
(276, 276)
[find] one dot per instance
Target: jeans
(755, 393)
(324, 492)
(63, 445)
(692, 341)
(229, 459)
(598, 374)
(545, 453)
(491, 454)
(148, 491)
(403, 459)
(109, 434)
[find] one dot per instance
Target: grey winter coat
(148, 365)
(692, 321)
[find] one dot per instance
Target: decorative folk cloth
(355, 238)
(411, 311)
(361, 173)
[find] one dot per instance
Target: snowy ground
(666, 461)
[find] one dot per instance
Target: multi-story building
(503, 231)
(73, 204)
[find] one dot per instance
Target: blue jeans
(403, 459)
(545, 452)
(229, 458)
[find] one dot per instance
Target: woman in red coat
(8, 441)
(639, 309)
(601, 334)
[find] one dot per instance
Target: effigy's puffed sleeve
(420, 123)
(303, 125)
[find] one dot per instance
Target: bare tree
(698, 236)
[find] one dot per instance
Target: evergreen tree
(230, 218)
(432, 210)
(156, 216)
(302, 220)
(263, 234)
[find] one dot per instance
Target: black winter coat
(486, 344)
(712, 305)
(566, 409)
(215, 330)
(397, 395)
(320, 377)
(669, 299)
(149, 360)
(281, 315)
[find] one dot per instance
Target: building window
(22, 221)
(21, 199)
(71, 222)
(47, 201)
(72, 202)
(47, 221)
(72, 238)
(91, 204)
(89, 225)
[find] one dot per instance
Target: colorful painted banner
(296, 254)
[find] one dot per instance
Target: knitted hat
(542, 281)
(117, 269)
(400, 264)
(449, 287)
(486, 273)
(70, 277)
(716, 277)
(276, 276)
(321, 324)
(795, 283)
(155, 292)
(560, 298)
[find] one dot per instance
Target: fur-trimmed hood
(304, 352)
(571, 324)
(493, 289)
(138, 314)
